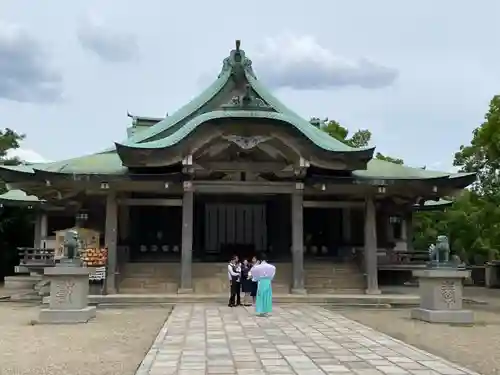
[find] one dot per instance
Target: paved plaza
(301, 340)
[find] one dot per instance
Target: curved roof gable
(236, 67)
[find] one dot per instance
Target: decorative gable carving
(246, 143)
(247, 101)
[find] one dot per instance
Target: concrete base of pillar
(443, 316)
(49, 316)
(184, 291)
(299, 291)
(373, 291)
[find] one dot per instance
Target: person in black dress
(246, 283)
(253, 290)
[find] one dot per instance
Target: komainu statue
(439, 254)
(71, 244)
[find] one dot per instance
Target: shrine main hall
(234, 171)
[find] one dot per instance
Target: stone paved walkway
(300, 340)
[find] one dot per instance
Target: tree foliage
(361, 138)
(15, 222)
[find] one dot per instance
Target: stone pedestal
(441, 291)
(491, 275)
(69, 289)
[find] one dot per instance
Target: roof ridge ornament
(247, 101)
(237, 62)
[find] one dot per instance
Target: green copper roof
(386, 170)
(101, 163)
(110, 164)
(176, 127)
(319, 137)
(433, 205)
(18, 197)
(214, 103)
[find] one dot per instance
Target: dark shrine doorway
(239, 224)
(322, 231)
(155, 233)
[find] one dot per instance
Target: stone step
(329, 291)
(338, 299)
(211, 278)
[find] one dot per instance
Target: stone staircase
(149, 278)
(321, 277)
(208, 278)
(328, 277)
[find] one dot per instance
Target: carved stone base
(49, 316)
(441, 292)
(68, 301)
(185, 291)
(443, 316)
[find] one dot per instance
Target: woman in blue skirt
(264, 274)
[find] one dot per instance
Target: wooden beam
(150, 202)
(243, 187)
(326, 204)
(243, 166)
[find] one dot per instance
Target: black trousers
(235, 298)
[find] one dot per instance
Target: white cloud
(301, 63)
(108, 44)
(27, 155)
(25, 74)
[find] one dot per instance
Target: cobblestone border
(150, 357)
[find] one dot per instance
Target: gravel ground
(113, 344)
(476, 347)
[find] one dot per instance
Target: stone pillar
(346, 225)
(370, 250)
(298, 239)
(187, 239)
(441, 295)
(110, 239)
(68, 301)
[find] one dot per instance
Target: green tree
(361, 138)
(379, 156)
(482, 155)
(15, 222)
(9, 140)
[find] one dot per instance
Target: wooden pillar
(298, 239)
(370, 250)
(37, 239)
(404, 229)
(124, 227)
(389, 229)
(408, 230)
(186, 285)
(110, 239)
(41, 228)
(346, 225)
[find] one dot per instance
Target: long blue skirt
(264, 298)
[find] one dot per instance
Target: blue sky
(419, 75)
